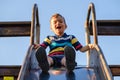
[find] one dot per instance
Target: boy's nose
(58, 22)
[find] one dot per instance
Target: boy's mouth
(58, 27)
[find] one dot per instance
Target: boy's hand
(91, 46)
(36, 46)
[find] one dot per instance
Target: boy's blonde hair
(57, 15)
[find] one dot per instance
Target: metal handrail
(35, 26)
(91, 9)
(100, 54)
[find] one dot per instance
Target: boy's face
(58, 25)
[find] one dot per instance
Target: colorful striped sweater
(57, 44)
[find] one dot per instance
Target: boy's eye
(60, 21)
(55, 22)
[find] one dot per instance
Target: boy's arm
(87, 47)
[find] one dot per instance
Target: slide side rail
(34, 38)
(98, 61)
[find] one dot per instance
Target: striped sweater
(57, 44)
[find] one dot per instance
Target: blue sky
(13, 50)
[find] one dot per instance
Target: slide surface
(79, 73)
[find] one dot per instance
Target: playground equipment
(96, 69)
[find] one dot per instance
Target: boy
(61, 45)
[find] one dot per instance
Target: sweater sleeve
(46, 42)
(75, 43)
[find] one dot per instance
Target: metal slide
(96, 69)
(33, 72)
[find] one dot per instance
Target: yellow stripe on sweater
(74, 40)
(57, 49)
(47, 40)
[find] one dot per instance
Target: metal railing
(91, 9)
(35, 26)
(34, 38)
(95, 58)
